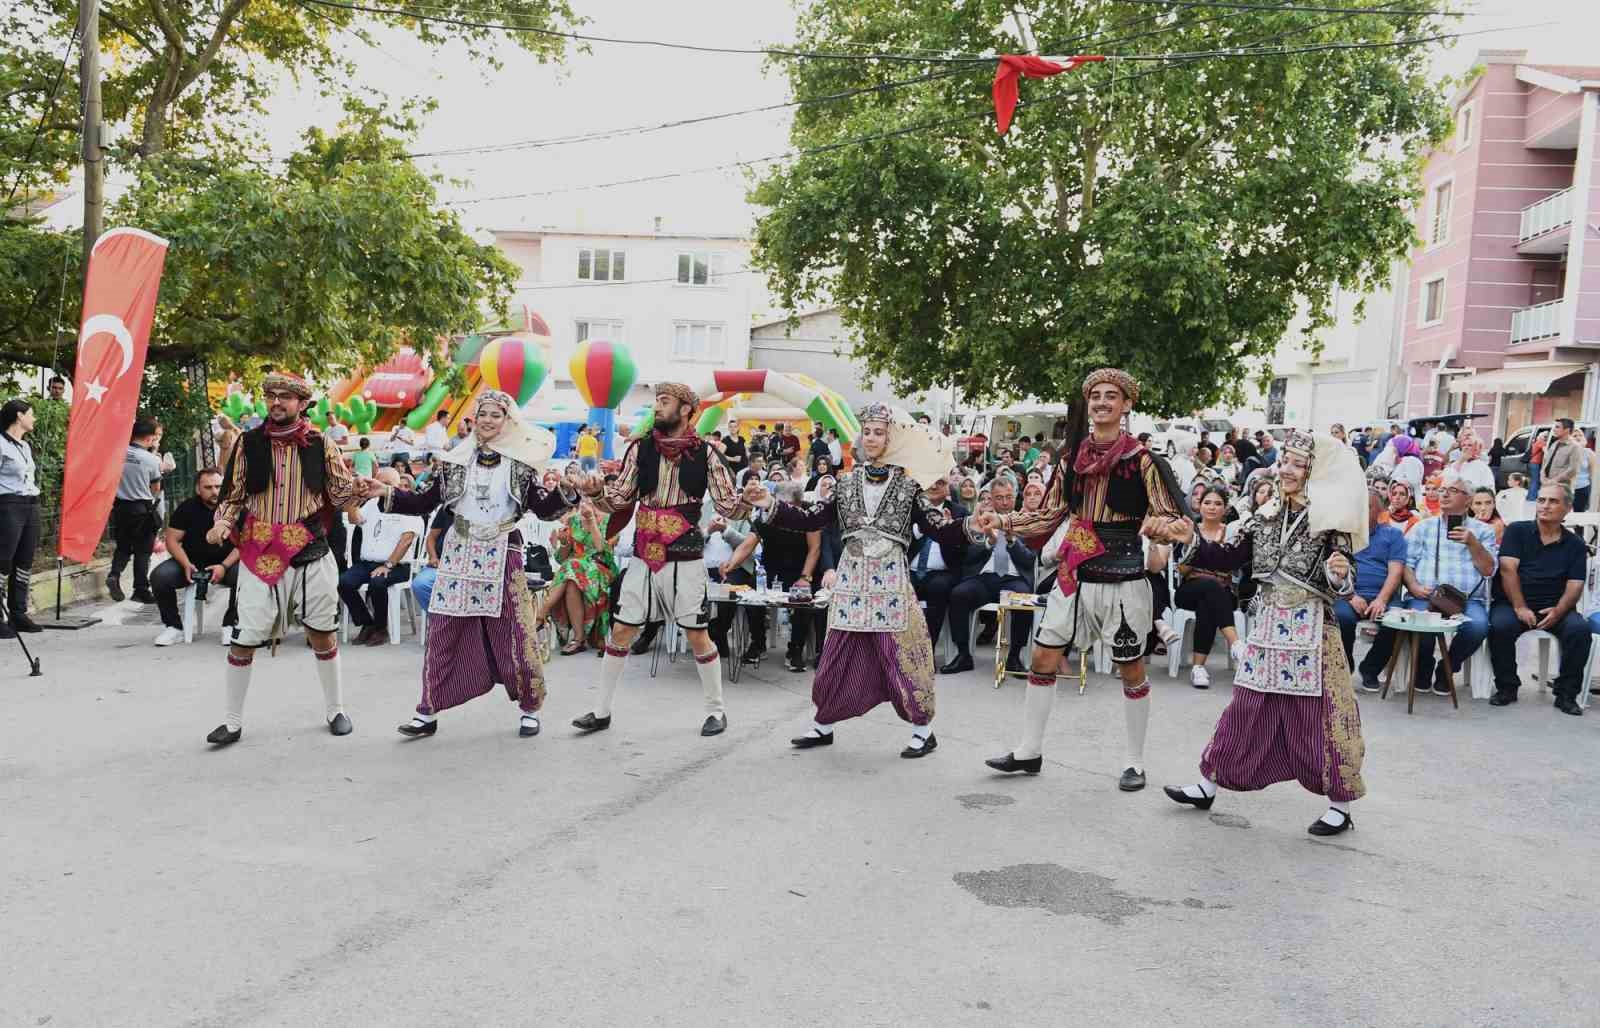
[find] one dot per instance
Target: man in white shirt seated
(437, 435)
(386, 541)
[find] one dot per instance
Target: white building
(682, 303)
(1353, 379)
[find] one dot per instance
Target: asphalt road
(649, 876)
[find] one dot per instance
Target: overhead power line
(1310, 9)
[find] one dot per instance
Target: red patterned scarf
(1097, 459)
(293, 434)
(675, 447)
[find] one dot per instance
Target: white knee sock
(710, 668)
(821, 729)
(611, 666)
(922, 731)
(1137, 712)
(1204, 787)
(238, 681)
(1037, 703)
(332, 681)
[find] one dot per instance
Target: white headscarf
(526, 444)
(1336, 491)
(923, 453)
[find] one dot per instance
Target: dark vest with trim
(692, 470)
(257, 449)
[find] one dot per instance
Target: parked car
(1516, 456)
(1164, 440)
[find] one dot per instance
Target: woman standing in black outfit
(19, 514)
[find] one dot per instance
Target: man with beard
(1113, 489)
(668, 473)
(282, 488)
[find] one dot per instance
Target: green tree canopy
(321, 262)
(1163, 217)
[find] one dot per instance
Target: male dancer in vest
(282, 488)
(1114, 490)
(668, 473)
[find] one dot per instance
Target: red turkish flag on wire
(1015, 66)
(119, 303)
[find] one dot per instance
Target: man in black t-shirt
(1542, 570)
(188, 552)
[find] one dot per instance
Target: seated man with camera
(1448, 561)
(190, 558)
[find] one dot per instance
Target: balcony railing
(1553, 212)
(1540, 322)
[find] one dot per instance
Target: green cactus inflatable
(359, 413)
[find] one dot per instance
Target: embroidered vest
(692, 471)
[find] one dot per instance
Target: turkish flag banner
(119, 303)
(1014, 66)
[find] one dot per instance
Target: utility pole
(94, 169)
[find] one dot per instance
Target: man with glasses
(1452, 549)
(283, 487)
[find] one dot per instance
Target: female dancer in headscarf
(1293, 715)
(481, 617)
(878, 650)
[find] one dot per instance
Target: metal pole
(94, 201)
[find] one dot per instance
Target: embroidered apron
(655, 529)
(870, 592)
(267, 548)
(472, 570)
(1283, 650)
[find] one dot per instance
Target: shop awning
(1526, 378)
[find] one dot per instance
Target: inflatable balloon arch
(802, 396)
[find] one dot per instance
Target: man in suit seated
(1004, 564)
(936, 568)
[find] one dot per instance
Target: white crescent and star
(113, 326)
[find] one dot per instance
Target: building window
(1276, 394)
(599, 328)
(1464, 126)
(1439, 198)
(602, 265)
(698, 341)
(1432, 312)
(700, 268)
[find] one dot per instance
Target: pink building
(1502, 301)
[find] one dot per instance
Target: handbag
(1445, 599)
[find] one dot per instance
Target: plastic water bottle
(761, 578)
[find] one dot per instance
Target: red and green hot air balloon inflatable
(512, 365)
(603, 373)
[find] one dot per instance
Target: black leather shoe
(811, 740)
(526, 730)
(222, 735)
(1010, 763)
(1177, 795)
(340, 725)
(643, 643)
(955, 667)
(929, 744)
(143, 597)
(715, 724)
(417, 731)
(1131, 780)
(1569, 707)
(362, 636)
(1502, 699)
(1014, 665)
(795, 665)
(986, 637)
(589, 723)
(6, 631)
(1321, 827)
(114, 589)
(24, 623)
